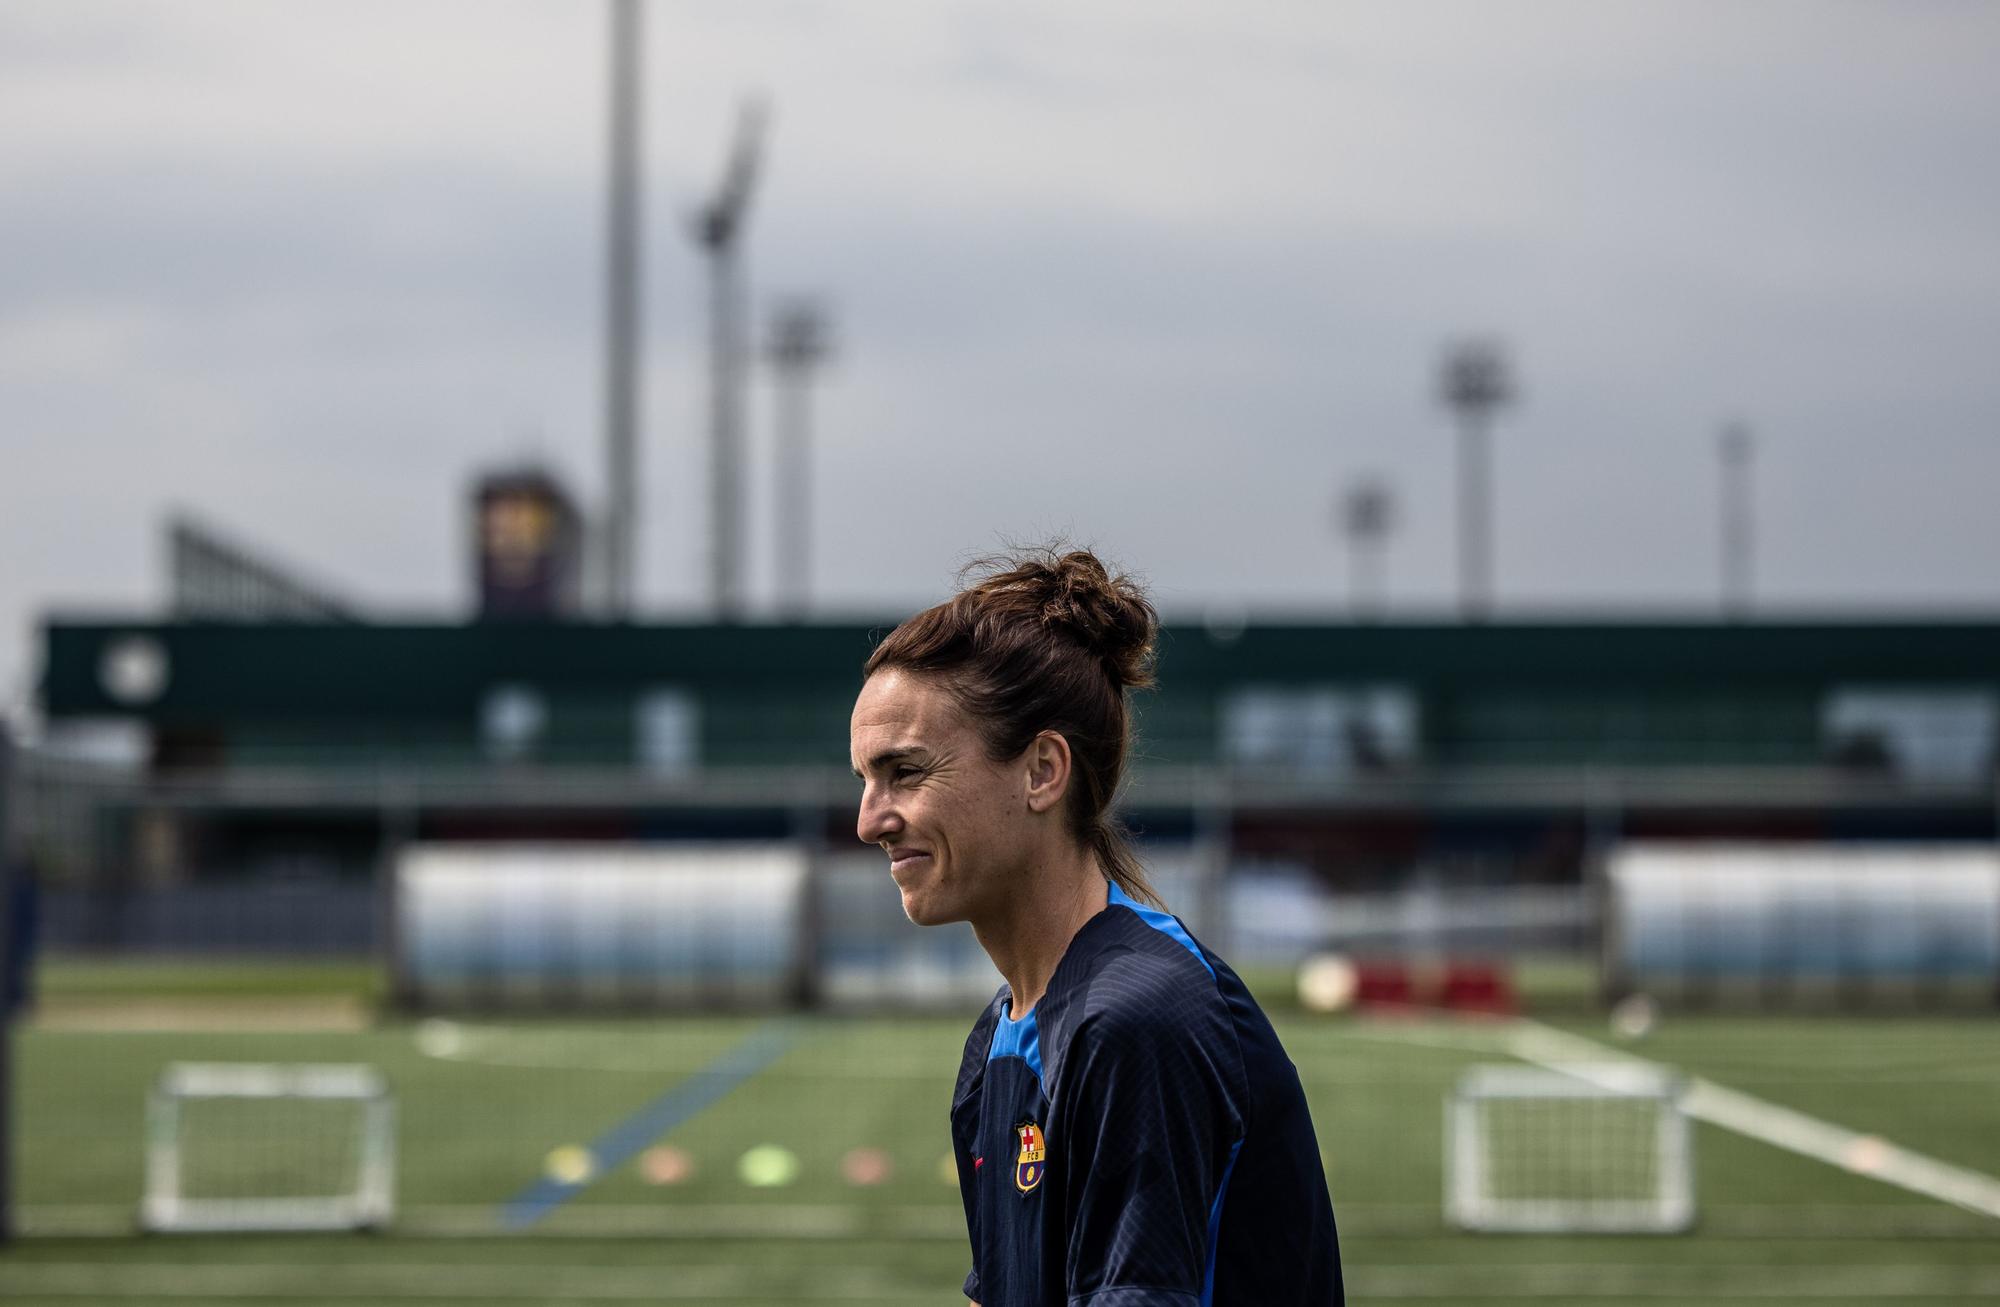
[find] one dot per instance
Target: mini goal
(1587, 1149)
(257, 1146)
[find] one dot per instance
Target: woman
(1128, 1131)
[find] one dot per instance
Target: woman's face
(957, 826)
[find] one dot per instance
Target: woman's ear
(1048, 771)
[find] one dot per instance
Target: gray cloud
(1164, 277)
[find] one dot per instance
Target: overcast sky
(1162, 276)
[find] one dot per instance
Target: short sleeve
(1151, 1127)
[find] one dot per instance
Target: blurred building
(210, 576)
(1501, 754)
(527, 546)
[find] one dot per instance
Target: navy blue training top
(1139, 1139)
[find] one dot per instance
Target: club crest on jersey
(1028, 1167)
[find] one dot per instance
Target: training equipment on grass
(498, 926)
(1821, 924)
(1534, 1150)
(259, 1146)
(565, 926)
(1633, 1017)
(1326, 983)
(866, 1166)
(767, 1166)
(570, 1164)
(437, 1037)
(665, 1164)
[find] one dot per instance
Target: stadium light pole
(9, 905)
(799, 343)
(1737, 448)
(621, 313)
(1476, 383)
(1367, 514)
(718, 229)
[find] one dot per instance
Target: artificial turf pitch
(483, 1103)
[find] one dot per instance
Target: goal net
(1586, 1149)
(252, 1146)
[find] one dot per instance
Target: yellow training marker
(570, 1164)
(768, 1166)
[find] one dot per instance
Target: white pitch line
(1864, 1155)
(1476, 1035)
(468, 1044)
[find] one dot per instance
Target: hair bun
(1043, 640)
(1074, 592)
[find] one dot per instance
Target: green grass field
(477, 1125)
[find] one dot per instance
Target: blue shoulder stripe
(1020, 1039)
(1163, 922)
(1215, 1226)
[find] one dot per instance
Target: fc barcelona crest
(1028, 1167)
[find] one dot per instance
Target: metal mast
(9, 940)
(718, 228)
(1738, 540)
(799, 343)
(621, 313)
(1475, 383)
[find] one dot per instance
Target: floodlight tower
(718, 228)
(799, 343)
(11, 937)
(621, 313)
(1476, 383)
(1736, 448)
(1367, 513)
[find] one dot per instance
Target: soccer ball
(1326, 983)
(1633, 1017)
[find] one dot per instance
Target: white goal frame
(1470, 1200)
(368, 1204)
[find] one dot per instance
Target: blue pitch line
(611, 1149)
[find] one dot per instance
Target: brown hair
(1038, 640)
